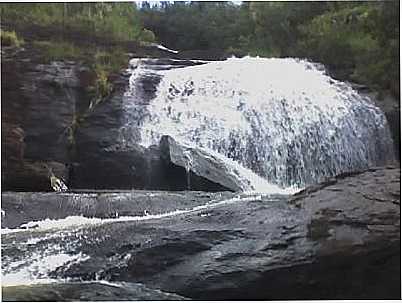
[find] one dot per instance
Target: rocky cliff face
(49, 128)
(42, 133)
(38, 106)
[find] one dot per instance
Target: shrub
(10, 38)
(360, 38)
(102, 85)
(111, 60)
(147, 36)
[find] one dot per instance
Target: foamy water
(283, 119)
(34, 267)
(81, 221)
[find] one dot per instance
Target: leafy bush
(102, 85)
(101, 88)
(360, 37)
(10, 38)
(147, 36)
(111, 60)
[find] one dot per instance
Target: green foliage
(102, 87)
(195, 25)
(361, 37)
(115, 21)
(59, 50)
(110, 60)
(147, 36)
(10, 38)
(358, 39)
(98, 92)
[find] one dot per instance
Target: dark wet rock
(46, 118)
(85, 291)
(192, 168)
(12, 144)
(103, 162)
(19, 173)
(38, 107)
(392, 110)
(341, 241)
(33, 176)
(21, 208)
(103, 157)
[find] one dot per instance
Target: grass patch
(110, 60)
(10, 38)
(111, 21)
(58, 51)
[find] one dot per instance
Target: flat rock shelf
(337, 240)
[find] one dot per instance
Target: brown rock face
(38, 104)
(12, 144)
(19, 173)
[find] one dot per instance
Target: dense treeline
(358, 40)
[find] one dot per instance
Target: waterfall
(284, 119)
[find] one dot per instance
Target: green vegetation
(84, 32)
(358, 41)
(111, 60)
(94, 34)
(362, 38)
(59, 50)
(148, 36)
(113, 21)
(101, 87)
(10, 38)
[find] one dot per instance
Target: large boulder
(193, 168)
(339, 240)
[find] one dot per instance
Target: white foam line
(38, 268)
(66, 281)
(5, 231)
(81, 221)
(161, 47)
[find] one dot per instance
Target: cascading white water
(285, 119)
